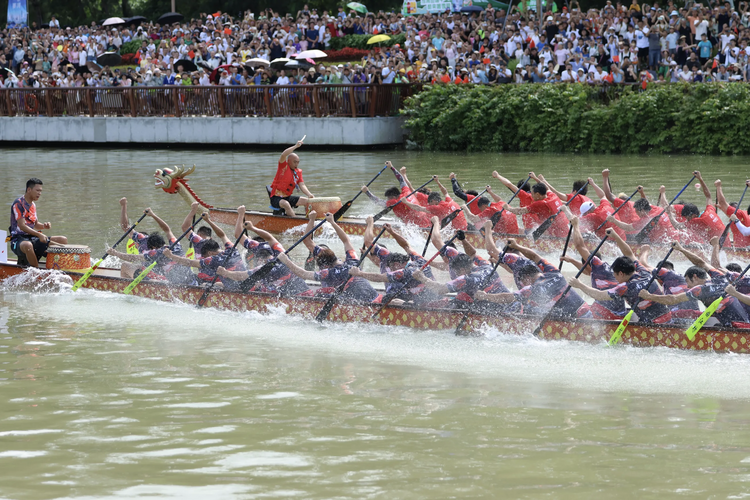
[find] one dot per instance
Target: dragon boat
(715, 339)
(174, 181)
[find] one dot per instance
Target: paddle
(648, 227)
(538, 232)
(268, 266)
(427, 243)
(723, 237)
(482, 285)
(385, 211)
(578, 274)
(91, 270)
(204, 297)
(710, 310)
(390, 296)
(341, 211)
(496, 217)
(449, 218)
(626, 320)
(565, 248)
(139, 278)
(617, 210)
(323, 314)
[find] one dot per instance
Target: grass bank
(674, 118)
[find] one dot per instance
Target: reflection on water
(105, 396)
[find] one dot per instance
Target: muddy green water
(103, 396)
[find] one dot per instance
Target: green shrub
(674, 118)
(130, 47)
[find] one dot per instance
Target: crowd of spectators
(618, 43)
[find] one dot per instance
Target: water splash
(38, 281)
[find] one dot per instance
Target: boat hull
(591, 331)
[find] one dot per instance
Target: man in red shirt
(288, 177)
(506, 224)
(545, 204)
(592, 216)
(575, 205)
(440, 208)
(662, 232)
(524, 197)
(627, 213)
(739, 240)
(700, 228)
(395, 194)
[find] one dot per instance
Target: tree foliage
(675, 118)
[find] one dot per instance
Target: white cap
(586, 206)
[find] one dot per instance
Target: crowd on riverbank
(617, 44)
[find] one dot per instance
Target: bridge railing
(318, 100)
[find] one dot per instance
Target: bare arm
(183, 261)
(376, 277)
(706, 191)
(285, 154)
(440, 185)
(436, 237)
(595, 294)
(402, 171)
(694, 259)
(470, 216)
(239, 224)
(599, 191)
(730, 290)
(431, 285)
(308, 242)
(219, 232)
(495, 197)
(232, 275)
(622, 225)
(298, 271)
(468, 247)
(263, 234)
(559, 194)
(162, 225)
(489, 241)
(505, 182)
(500, 298)
(304, 189)
(667, 300)
(189, 218)
(607, 188)
(673, 221)
(369, 232)
(527, 252)
(126, 256)
(715, 250)
(720, 200)
(413, 206)
(340, 233)
(399, 239)
(124, 222)
(621, 244)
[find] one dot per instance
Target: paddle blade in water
(323, 314)
(696, 327)
(87, 275)
(380, 214)
(129, 289)
(341, 211)
(538, 232)
(621, 329)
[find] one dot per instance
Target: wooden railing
(267, 100)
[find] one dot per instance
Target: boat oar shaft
(385, 211)
(341, 211)
(204, 297)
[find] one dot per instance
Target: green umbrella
(358, 7)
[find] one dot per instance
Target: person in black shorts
(27, 240)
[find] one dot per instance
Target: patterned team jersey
(516, 262)
(467, 285)
(21, 210)
(602, 278)
(730, 309)
(357, 289)
(449, 254)
(198, 241)
(675, 284)
(646, 310)
(417, 261)
(141, 241)
(539, 297)
(209, 265)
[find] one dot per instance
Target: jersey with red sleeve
(529, 220)
(627, 213)
(546, 208)
(546, 292)
(447, 207)
(473, 205)
(675, 284)
(702, 229)
(663, 230)
(22, 210)
(286, 180)
(405, 213)
(647, 311)
(575, 205)
(598, 216)
(508, 223)
(738, 238)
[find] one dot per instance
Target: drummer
(27, 240)
(288, 176)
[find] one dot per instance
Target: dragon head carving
(170, 179)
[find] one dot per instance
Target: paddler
(288, 177)
(440, 208)
(627, 213)
(575, 205)
(202, 235)
(545, 204)
(394, 194)
(739, 239)
(700, 227)
(27, 240)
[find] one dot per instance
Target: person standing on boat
(288, 177)
(27, 240)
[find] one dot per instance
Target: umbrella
(299, 64)
(214, 76)
(109, 59)
(135, 20)
(311, 54)
(170, 17)
(113, 21)
(378, 39)
(471, 8)
(205, 65)
(279, 63)
(257, 61)
(357, 7)
(93, 67)
(186, 64)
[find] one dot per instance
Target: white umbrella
(311, 54)
(113, 21)
(257, 61)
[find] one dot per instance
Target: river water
(105, 396)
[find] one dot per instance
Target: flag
(18, 15)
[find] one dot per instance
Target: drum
(68, 257)
(322, 205)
